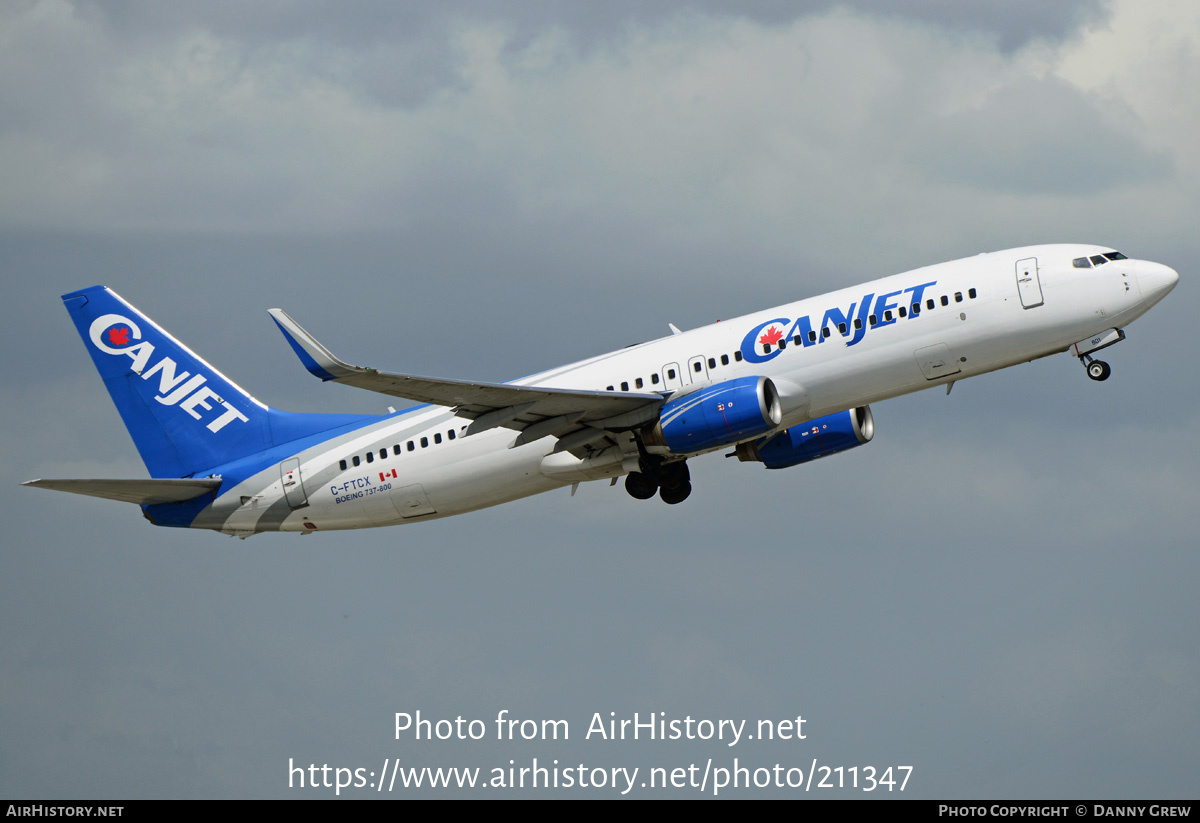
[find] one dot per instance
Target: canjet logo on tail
(852, 323)
(114, 334)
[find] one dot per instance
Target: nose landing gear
(1097, 369)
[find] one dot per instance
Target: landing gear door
(293, 484)
(1028, 283)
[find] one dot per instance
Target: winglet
(315, 357)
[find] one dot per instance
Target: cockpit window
(1097, 259)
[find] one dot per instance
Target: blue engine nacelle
(808, 441)
(717, 415)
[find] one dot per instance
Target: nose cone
(1156, 280)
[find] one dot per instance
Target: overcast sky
(999, 591)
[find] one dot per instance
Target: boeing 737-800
(779, 387)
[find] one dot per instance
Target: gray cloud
(361, 22)
(1041, 137)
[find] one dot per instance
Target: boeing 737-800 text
(780, 387)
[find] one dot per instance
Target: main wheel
(1098, 370)
(673, 475)
(640, 485)
(675, 494)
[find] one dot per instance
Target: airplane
(779, 387)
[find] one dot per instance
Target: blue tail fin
(184, 416)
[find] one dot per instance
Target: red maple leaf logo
(119, 335)
(772, 337)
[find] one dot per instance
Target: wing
(536, 411)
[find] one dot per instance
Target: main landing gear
(672, 481)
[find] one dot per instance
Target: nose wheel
(1097, 369)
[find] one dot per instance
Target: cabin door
(1028, 283)
(293, 484)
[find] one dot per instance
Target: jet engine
(716, 415)
(807, 441)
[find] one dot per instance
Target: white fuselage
(988, 312)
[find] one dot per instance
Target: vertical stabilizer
(183, 414)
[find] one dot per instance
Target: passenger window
(812, 337)
(737, 355)
(929, 303)
(411, 446)
(782, 343)
(342, 464)
(842, 328)
(609, 388)
(437, 438)
(725, 359)
(887, 315)
(971, 294)
(958, 297)
(355, 459)
(766, 350)
(873, 320)
(383, 454)
(857, 323)
(396, 449)
(712, 362)
(825, 332)
(370, 457)
(916, 308)
(450, 434)
(945, 300)
(637, 384)
(654, 378)
(424, 442)
(903, 311)
(624, 385)
(670, 374)
(697, 366)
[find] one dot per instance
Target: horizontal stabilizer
(142, 492)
